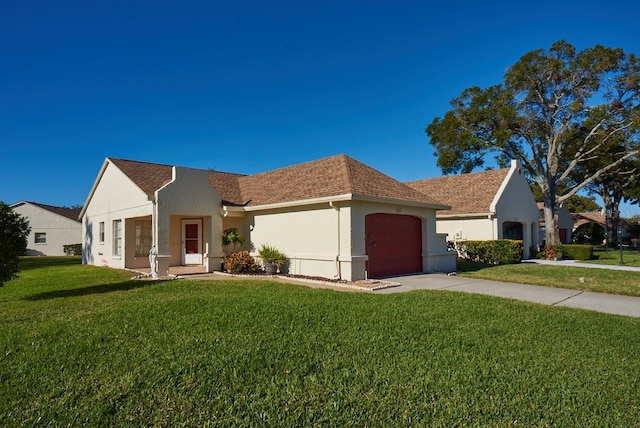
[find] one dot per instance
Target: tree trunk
(611, 199)
(551, 231)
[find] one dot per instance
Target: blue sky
(251, 86)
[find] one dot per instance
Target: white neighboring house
(496, 204)
(51, 227)
(334, 217)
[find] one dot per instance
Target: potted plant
(272, 258)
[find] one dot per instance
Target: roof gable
(70, 213)
(149, 177)
(328, 177)
(466, 193)
(333, 176)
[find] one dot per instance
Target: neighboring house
(600, 218)
(334, 218)
(486, 205)
(51, 228)
(565, 223)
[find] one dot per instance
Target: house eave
(339, 198)
(456, 216)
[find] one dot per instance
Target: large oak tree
(555, 111)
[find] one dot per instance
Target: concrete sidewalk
(600, 302)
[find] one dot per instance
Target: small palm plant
(272, 258)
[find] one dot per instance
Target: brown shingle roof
(466, 193)
(332, 176)
(70, 213)
(228, 186)
(149, 177)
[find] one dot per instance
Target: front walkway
(574, 263)
(600, 302)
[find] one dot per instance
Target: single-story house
(334, 217)
(600, 218)
(51, 227)
(495, 204)
(565, 223)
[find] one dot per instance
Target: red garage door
(393, 244)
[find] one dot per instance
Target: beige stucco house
(565, 223)
(496, 204)
(334, 217)
(51, 228)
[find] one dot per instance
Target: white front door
(192, 242)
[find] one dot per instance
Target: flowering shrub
(241, 262)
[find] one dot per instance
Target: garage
(393, 244)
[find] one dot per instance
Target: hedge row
(493, 252)
(72, 249)
(575, 251)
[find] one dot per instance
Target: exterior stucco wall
(308, 236)
(517, 204)
(188, 196)
(59, 230)
(513, 202)
(240, 223)
(115, 198)
(336, 236)
(482, 228)
(565, 221)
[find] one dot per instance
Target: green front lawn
(630, 257)
(87, 346)
(577, 278)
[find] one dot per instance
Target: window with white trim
(101, 233)
(40, 238)
(117, 238)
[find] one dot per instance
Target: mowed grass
(84, 345)
(630, 257)
(625, 283)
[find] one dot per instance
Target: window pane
(117, 237)
(40, 238)
(143, 237)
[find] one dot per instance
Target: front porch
(183, 247)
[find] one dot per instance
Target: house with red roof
(495, 204)
(334, 217)
(51, 227)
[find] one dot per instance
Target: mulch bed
(367, 284)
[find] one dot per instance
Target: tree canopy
(14, 230)
(555, 112)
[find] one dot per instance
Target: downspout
(337, 258)
(153, 252)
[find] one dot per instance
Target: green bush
(493, 252)
(575, 251)
(72, 249)
(241, 262)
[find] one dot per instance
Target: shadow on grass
(30, 263)
(94, 289)
(464, 266)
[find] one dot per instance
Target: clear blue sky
(251, 86)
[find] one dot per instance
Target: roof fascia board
(435, 206)
(346, 197)
(302, 202)
(465, 215)
(94, 187)
(514, 166)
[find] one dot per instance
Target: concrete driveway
(600, 302)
